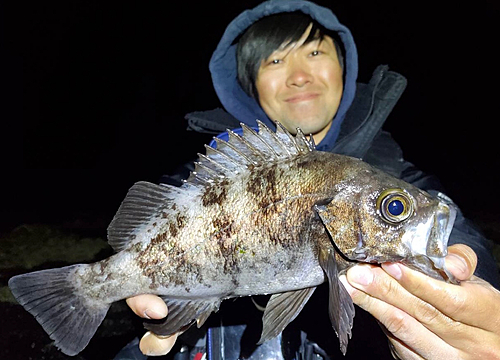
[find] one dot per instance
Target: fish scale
(262, 213)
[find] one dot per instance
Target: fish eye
(394, 205)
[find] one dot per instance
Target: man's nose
(299, 75)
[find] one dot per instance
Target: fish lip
(444, 220)
(431, 261)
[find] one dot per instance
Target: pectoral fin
(182, 314)
(341, 307)
(281, 310)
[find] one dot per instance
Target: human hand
(152, 307)
(426, 318)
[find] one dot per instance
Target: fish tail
(52, 298)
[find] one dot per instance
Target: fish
(261, 213)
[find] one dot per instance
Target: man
(294, 62)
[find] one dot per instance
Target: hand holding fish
(431, 319)
(152, 307)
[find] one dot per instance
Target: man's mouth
(301, 97)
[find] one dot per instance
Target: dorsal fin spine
(305, 145)
(235, 150)
(213, 163)
(264, 130)
(251, 131)
(228, 159)
(312, 142)
(293, 149)
(212, 173)
(244, 142)
(198, 176)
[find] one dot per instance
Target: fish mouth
(431, 259)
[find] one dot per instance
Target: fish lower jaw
(440, 267)
(433, 267)
(361, 255)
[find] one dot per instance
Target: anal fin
(182, 314)
(282, 309)
(340, 305)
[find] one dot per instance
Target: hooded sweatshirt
(223, 66)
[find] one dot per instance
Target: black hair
(268, 35)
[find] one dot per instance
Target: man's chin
(309, 127)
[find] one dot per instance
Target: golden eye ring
(395, 205)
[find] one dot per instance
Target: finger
(461, 261)
(148, 306)
(153, 345)
(469, 303)
(399, 323)
(400, 350)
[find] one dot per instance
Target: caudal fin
(68, 318)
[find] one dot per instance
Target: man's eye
(275, 61)
(315, 53)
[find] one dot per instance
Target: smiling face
(300, 85)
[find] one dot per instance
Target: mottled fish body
(264, 213)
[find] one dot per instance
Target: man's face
(301, 86)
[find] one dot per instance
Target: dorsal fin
(144, 204)
(236, 155)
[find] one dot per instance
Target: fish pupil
(396, 207)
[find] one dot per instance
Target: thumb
(148, 306)
(461, 261)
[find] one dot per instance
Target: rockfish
(262, 213)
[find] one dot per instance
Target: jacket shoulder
(211, 121)
(372, 105)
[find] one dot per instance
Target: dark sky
(101, 91)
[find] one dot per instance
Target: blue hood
(223, 65)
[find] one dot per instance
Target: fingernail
(361, 275)
(457, 262)
(155, 313)
(394, 270)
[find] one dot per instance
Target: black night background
(95, 95)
